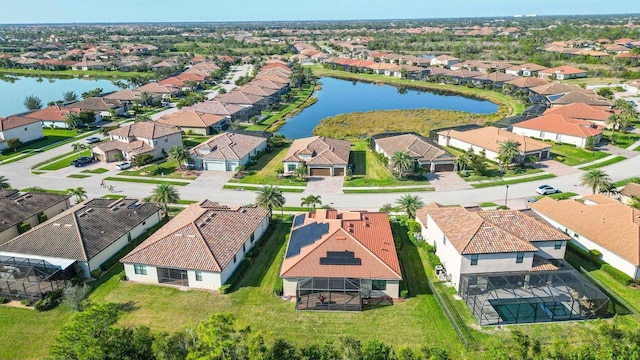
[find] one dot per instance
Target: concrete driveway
(317, 185)
(557, 168)
(447, 181)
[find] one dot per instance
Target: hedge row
(617, 274)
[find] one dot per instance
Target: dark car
(82, 161)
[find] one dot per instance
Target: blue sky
(73, 11)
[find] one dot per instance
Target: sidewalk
(628, 153)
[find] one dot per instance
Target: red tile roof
(559, 124)
(52, 113)
(581, 111)
(15, 121)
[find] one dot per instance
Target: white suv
(123, 165)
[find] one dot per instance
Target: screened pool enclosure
(531, 297)
(23, 278)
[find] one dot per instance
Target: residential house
(256, 103)
(563, 73)
(444, 60)
(53, 116)
(630, 193)
(498, 241)
(632, 86)
(598, 223)
(200, 248)
(526, 70)
(191, 121)
(594, 114)
(322, 156)
(19, 127)
(556, 88)
(561, 129)
(487, 140)
(138, 138)
(496, 78)
(17, 209)
(87, 234)
(86, 65)
(126, 96)
(424, 152)
(232, 111)
(526, 83)
(340, 260)
(101, 107)
(159, 91)
(226, 151)
(579, 97)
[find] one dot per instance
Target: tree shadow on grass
(412, 266)
(358, 158)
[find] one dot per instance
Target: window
(140, 269)
(244, 248)
(129, 237)
(155, 141)
(166, 140)
(234, 259)
(558, 245)
(444, 240)
(474, 259)
(198, 275)
(379, 284)
(519, 257)
(253, 237)
(291, 167)
(144, 223)
(26, 129)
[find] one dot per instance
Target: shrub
(25, 302)
(74, 296)
(617, 274)
(413, 226)
(122, 276)
(404, 294)
(3, 300)
(96, 273)
(278, 287)
(24, 227)
(49, 301)
(595, 254)
(224, 288)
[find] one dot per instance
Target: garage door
(338, 172)
(215, 165)
(444, 167)
(320, 172)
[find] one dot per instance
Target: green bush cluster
(617, 274)
(96, 273)
(224, 288)
(3, 300)
(594, 256)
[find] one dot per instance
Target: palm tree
(462, 161)
(300, 172)
(401, 162)
(608, 188)
(507, 151)
(79, 192)
(164, 194)
(34, 189)
(595, 179)
(179, 154)
(4, 182)
(616, 122)
(78, 147)
(270, 196)
(145, 98)
(410, 204)
(311, 201)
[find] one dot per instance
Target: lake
(345, 96)
(12, 94)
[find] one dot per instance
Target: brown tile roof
(602, 220)
(323, 151)
(464, 74)
(496, 77)
(631, 189)
(559, 88)
(96, 104)
(83, 231)
(418, 147)
(366, 234)
(566, 70)
(145, 130)
(16, 209)
(155, 88)
(257, 90)
(542, 264)
(579, 97)
(238, 97)
(559, 124)
(490, 137)
(581, 111)
(124, 95)
(15, 121)
(267, 84)
(205, 236)
(190, 118)
(487, 232)
(216, 107)
(528, 82)
(52, 113)
(228, 146)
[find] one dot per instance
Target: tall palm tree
(300, 172)
(410, 204)
(462, 161)
(4, 182)
(311, 201)
(270, 196)
(180, 154)
(80, 193)
(78, 147)
(616, 122)
(507, 151)
(595, 179)
(164, 194)
(401, 162)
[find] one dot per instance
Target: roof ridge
(206, 244)
(369, 250)
(140, 247)
(80, 239)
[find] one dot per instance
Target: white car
(123, 165)
(92, 140)
(546, 190)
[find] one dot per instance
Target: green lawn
(369, 171)
(146, 181)
(167, 169)
(623, 140)
(558, 196)
(60, 132)
(83, 74)
(571, 155)
(192, 141)
(386, 190)
(95, 171)
(34, 145)
(493, 173)
(514, 181)
(78, 176)
(65, 161)
(604, 163)
(242, 188)
(265, 170)
(626, 181)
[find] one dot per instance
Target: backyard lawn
(369, 171)
(571, 155)
(265, 170)
(168, 169)
(192, 141)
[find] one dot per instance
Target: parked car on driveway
(92, 140)
(82, 161)
(546, 190)
(124, 165)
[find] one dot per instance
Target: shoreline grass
(68, 74)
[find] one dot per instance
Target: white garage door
(215, 165)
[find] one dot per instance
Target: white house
(19, 127)
(484, 242)
(224, 152)
(598, 223)
(88, 234)
(138, 138)
(200, 248)
(561, 129)
(444, 60)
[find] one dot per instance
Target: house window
(26, 129)
(444, 240)
(144, 223)
(198, 275)
(474, 259)
(234, 259)
(558, 245)
(244, 248)
(129, 237)
(155, 141)
(166, 140)
(253, 237)
(519, 257)
(379, 284)
(140, 269)
(291, 167)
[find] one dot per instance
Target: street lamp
(506, 196)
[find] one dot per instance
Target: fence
(610, 293)
(454, 318)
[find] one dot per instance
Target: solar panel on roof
(340, 258)
(304, 236)
(298, 220)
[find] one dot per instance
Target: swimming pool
(530, 310)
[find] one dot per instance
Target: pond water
(14, 89)
(344, 96)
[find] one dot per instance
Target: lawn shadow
(358, 159)
(127, 307)
(412, 266)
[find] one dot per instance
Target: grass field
(387, 190)
(511, 182)
(265, 170)
(146, 181)
(626, 181)
(95, 171)
(571, 155)
(60, 132)
(369, 171)
(604, 163)
(494, 173)
(192, 141)
(78, 176)
(74, 73)
(65, 161)
(167, 169)
(239, 187)
(623, 140)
